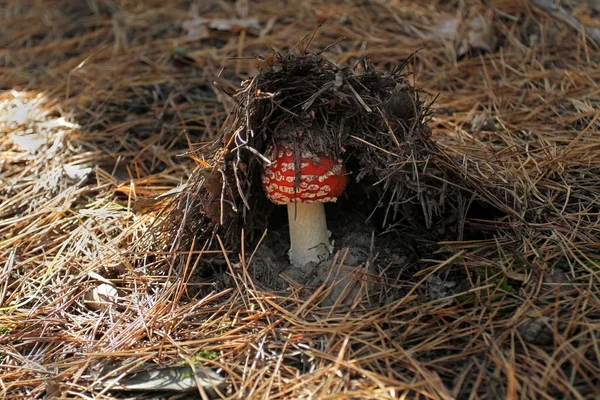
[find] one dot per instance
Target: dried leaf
(30, 143)
(177, 379)
(468, 35)
(76, 172)
(101, 297)
(197, 28)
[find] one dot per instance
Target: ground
(100, 104)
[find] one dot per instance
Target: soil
(358, 245)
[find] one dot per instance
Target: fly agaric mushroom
(320, 180)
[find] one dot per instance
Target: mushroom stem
(308, 233)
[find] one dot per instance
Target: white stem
(309, 236)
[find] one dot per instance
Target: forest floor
(100, 104)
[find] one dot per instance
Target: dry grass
(110, 87)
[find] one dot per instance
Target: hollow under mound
(403, 194)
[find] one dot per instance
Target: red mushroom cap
(321, 178)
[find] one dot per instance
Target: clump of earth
(360, 260)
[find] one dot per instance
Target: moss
(207, 355)
(501, 286)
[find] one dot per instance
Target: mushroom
(320, 180)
